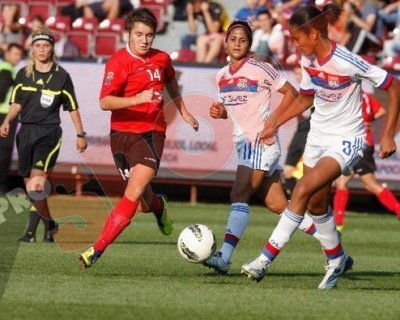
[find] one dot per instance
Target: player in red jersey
(365, 168)
(134, 79)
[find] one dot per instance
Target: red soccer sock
(340, 202)
(117, 221)
(387, 198)
(156, 205)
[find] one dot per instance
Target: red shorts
(129, 149)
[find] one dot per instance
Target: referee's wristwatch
(81, 135)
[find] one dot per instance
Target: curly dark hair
(143, 15)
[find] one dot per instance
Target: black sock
(34, 219)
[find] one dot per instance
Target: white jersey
(246, 93)
(335, 83)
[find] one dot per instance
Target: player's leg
(384, 195)
(246, 182)
(322, 174)
(201, 48)
(214, 48)
(271, 190)
(341, 200)
(158, 205)
(120, 217)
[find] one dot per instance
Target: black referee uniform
(41, 96)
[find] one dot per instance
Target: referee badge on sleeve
(46, 99)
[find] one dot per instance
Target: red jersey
(126, 75)
(370, 106)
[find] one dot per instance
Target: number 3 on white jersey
(155, 75)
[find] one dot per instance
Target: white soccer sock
(307, 225)
(237, 224)
(287, 225)
(329, 237)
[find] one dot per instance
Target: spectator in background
(282, 10)
(336, 24)
(215, 20)
(390, 15)
(106, 9)
(12, 57)
(365, 168)
(364, 26)
(268, 39)
(35, 24)
(249, 12)
(11, 31)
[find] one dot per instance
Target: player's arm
(81, 143)
(213, 24)
(173, 91)
(13, 112)
(283, 113)
(387, 144)
(6, 81)
(218, 111)
(190, 17)
(116, 103)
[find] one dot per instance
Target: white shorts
(347, 151)
(257, 156)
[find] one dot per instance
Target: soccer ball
(197, 243)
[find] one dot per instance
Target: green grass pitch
(142, 276)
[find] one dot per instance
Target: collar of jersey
(328, 57)
(232, 72)
(134, 55)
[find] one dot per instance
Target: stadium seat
(108, 37)
(59, 4)
(82, 40)
(159, 12)
(59, 25)
(106, 44)
(163, 3)
(43, 9)
(85, 24)
(82, 33)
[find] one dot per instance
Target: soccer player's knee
(238, 195)
(277, 207)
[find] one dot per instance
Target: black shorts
(298, 143)
(38, 147)
(366, 163)
(129, 149)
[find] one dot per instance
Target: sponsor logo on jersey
(109, 78)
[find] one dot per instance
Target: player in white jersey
(245, 89)
(332, 83)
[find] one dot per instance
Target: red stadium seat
(163, 3)
(59, 25)
(106, 44)
(43, 9)
(85, 24)
(108, 37)
(159, 12)
(82, 40)
(82, 35)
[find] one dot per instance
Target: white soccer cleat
(217, 263)
(333, 273)
(256, 269)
